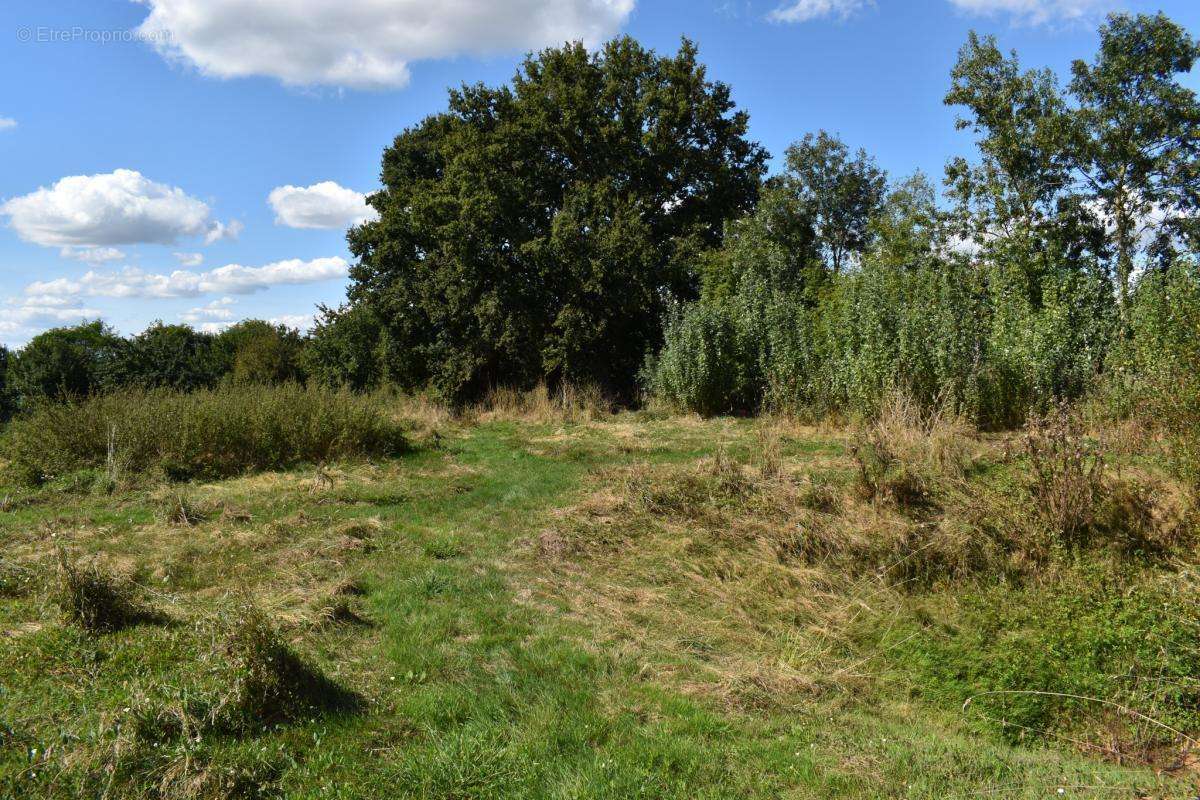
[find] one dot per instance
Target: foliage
(7, 395)
(167, 356)
(207, 433)
(538, 231)
(346, 349)
(65, 363)
(255, 351)
(1157, 370)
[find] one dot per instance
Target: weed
(177, 508)
(1068, 474)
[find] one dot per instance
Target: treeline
(90, 359)
(605, 220)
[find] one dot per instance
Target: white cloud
(322, 205)
(363, 43)
(121, 207)
(806, 10)
(218, 311)
(7, 123)
(29, 315)
(92, 255)
(189, 259)
(220, 315)
(230, 279)
(301, 322)
(1038, 12)
(222, 231)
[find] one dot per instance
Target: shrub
(211, 433)
(346, 348)
(1158, 371)
(702, 366)
(254, 351)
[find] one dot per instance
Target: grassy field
(627, 606)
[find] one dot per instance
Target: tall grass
(210, 433)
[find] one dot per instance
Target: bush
(346, 348)
(703, 366)
(210, 433)
(1157, 373)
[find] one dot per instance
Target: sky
(199, 161)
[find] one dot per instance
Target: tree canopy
(539, 231)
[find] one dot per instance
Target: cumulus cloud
(7, 123)
(218, 311)
(1038, 12)
(121, 207)
(806, 10)
(92, 255)
(300, 322)
(223, 231)
(28, 315)
(362, 43)
(189, 259)
(230, 279)
(322, 205)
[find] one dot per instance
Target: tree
(777, 244)
(7, 400)
(172, 356)
(539, 231)
(1137, 135)
(346, 348)
(254, 351)
(840, 192)
(1013, 202)
(66, 362)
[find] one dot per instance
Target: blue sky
(142, 143)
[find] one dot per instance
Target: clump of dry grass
(768, 453)
(568, 403)
(906, 453)
(97, 600)
(178, 508)
(268, 682)
(15, 580)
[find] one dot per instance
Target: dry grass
(97, 599)
(753, 575)
(1068, 474)
(567, 404)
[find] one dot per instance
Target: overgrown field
(530, 604)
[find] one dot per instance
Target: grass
(205, 434)
(536, 604)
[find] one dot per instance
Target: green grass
(654, 654)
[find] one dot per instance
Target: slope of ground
(631, 607)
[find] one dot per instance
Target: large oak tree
(538, 231)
